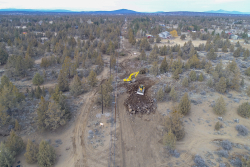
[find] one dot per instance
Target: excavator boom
(130, 76)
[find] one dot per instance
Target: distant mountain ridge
(227, 12)
(124, 11)
(120, 11)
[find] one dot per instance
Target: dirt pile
(135, 103)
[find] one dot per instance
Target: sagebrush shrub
(222, 153)
(199, 161)
(226, 145)
(236, 162)
(242, 130)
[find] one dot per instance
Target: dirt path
(138, 137)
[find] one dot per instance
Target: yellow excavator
(131, 77)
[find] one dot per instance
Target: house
(76, 27)
(165, 35)
(248, 35)
(18, 27)
(50, 22)
(89, 21)
(44, 39)
(24, 33)
(24, 27)
(235, 37)
(40, 22)
(202, 30)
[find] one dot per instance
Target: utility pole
(102, 99)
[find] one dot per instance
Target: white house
(165, 35)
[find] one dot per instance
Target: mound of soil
(135, 103)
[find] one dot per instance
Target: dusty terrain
(136, 139)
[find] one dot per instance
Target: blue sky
(137, 5)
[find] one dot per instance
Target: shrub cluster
(242, 130)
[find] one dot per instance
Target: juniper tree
(221, 85)
(63, 82)
(192, 75)
(164, 66)
(92, 80)
(17, 126)
(174, 123)
(185, 82)
(173, 94)
(244, 110)
(200, 77)
(41, 114)
(224, 49)
(237, 53)
(7, 157)
(143, 55)
(14, 143)
(169, 140)
(75, 86)
(220, 106)
(37, 79)
(211, 55)
(154, 69)
(231, 48)
(160, 95)
(46, 155)
(31, 152)
(55, 117)
(184, 106)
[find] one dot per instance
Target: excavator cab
(141, 90)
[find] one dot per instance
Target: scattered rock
(236, 100)
(229, 95)
(203, 93)
(59, 141)
(220, 118)
(236, 120)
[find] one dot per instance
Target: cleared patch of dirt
(139, 103)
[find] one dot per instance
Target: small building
(40, 22)
(76, 27)
(50, 22)
(165, 35)
(235, 37)
(89, 21)
(248, 35)
(202, 30)
(24, 33)
(17, 27)
(24, 27)
(44, 39)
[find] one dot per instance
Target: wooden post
(102, 99)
